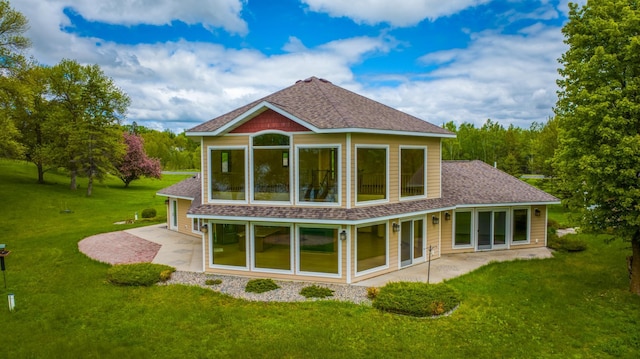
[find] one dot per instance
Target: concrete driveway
(177, 250)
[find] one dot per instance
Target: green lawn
(572, 306)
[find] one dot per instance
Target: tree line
(70, 116)
(513, 149)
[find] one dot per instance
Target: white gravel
(289, 291)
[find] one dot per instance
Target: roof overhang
(264, 105)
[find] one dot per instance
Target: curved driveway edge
(118, 248)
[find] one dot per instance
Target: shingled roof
(476, 183)
(464, 183)
(189, 188)
(326, 107)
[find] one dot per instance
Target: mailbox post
(3, 253)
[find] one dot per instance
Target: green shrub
(260, 285)
(566, 243)
(213, 281)
(416, 299)
(149, 213)
(314, 291)
(139, 274)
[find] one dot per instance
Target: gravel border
(289, 291)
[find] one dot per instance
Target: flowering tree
(135, 163)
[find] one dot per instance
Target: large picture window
(520, 225)
(317, 174)
(372, 174)
(227, 174)
(371, 244)
(272, 247)
(412, 172)
(271, 167)
(228, 244)
(319, 250)
(463, 229)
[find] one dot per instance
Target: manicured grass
(575, 305)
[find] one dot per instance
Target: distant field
(571, 306)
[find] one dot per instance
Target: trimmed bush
(314, 291)
(567, 243)
(149, 213)
(139, 274)
(416, 299)
(260, 285)
(213, 281)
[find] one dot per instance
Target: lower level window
(228, 245)
(272, 247)
(521, 225)
(463, 229)
(371, 245)
(319, 250)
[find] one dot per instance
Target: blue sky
(185, 62)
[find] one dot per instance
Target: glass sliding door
(492, 229)
(484, 230)
(411, 241)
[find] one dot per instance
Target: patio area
(160, 245)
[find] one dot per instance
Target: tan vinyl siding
(433, 233)
(184, 223)
(446, 230)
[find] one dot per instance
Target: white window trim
(246, 177)
(386, 237)
(297, 252)
(298, 197)
(292, 160)
(386, 199)
(472, 229)
(199, 222)
(400, 172)
(291, 246)
(528, 241)
(246, 246)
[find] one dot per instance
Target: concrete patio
(185, 253)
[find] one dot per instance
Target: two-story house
(318, 183)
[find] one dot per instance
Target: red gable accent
(269, 120)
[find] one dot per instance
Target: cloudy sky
(185, 62)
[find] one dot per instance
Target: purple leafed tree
(135, 163)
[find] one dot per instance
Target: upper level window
(412, 172)
(227, 174)
(372, 173)
(271, 167)
(317, 174)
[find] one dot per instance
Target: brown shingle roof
(189, 188)
(475, 182)
(463, 183)
(329, 107)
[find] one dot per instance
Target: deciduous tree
(136, 163)
(599, 119)
(89, 124)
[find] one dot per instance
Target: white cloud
(397, 13)
(508, 78)
(211, 13)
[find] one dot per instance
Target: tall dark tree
(89, 123)
(599, 119)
